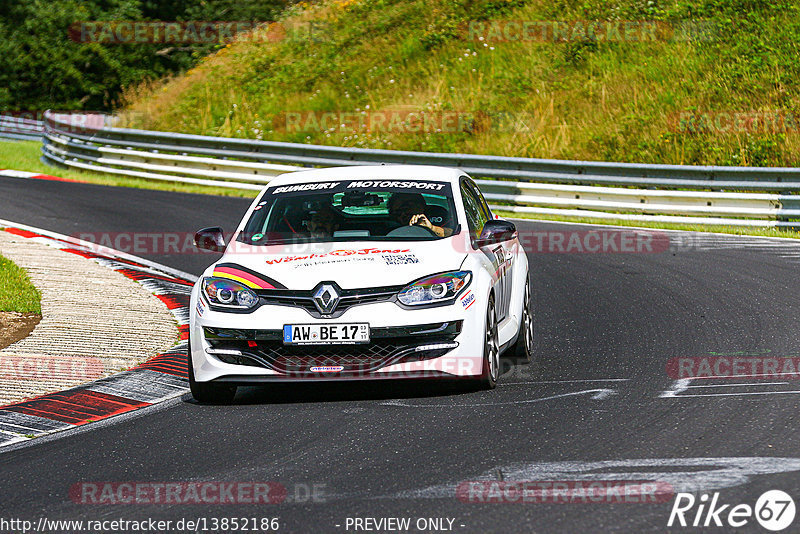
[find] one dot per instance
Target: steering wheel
(412, 231)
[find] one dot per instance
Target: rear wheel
(491, 350)
(523, 346)
(208, 392)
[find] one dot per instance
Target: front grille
(348, 298)
(300, 359)
(392, 345)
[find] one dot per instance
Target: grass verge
(24, 156)
(17, 293)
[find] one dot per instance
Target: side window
(476, 217)
(485, 211)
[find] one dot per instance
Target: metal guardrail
(666, 193)
(20, 128)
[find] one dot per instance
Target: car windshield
(353, 210)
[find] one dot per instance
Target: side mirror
(496, 231)
(210, 239)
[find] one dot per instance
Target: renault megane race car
(353, 273)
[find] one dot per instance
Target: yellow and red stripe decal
(245, 276)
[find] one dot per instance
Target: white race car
(353, 273)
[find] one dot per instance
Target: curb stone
(161, 378)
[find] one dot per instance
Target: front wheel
(491, 350)
(523, 346)
(209, 392)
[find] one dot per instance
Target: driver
(323, 223)
(409, 209)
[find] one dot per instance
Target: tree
(42, 67)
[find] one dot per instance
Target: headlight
(439, 288)
(229, 294)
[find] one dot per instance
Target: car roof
(370, 172)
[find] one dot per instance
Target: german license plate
(312, 334)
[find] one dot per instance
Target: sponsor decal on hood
(351, 265)
(340, 253)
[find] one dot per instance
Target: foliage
(41, 67)
(580, 98)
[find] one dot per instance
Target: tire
(522, 349)
(208, 392)
(491, 350)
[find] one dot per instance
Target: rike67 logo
(774, 510)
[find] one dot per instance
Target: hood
(351, 265)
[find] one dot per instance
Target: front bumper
(440, 342)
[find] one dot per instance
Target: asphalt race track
(598, 404)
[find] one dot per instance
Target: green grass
(17, 294)
(736, 230)
(585, 100)
(24, 156)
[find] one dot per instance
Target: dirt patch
(15, 326)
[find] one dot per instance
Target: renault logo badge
(326, 297)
